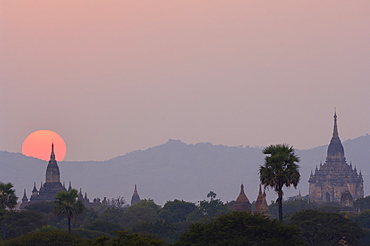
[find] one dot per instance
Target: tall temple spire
(335, 130)
(264, 207)
(52, 170)
(259, 200)
(335, 148)
(24, 195)
(135, 197)
(34, 191)
(24, 201)
(52, 155)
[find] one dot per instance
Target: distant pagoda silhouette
(261, 203)
(336, 181)
(242, 202)
(135, 197)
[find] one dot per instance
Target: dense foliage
(41, 238)
(125, 239)
(362, 203)
(241, 228)
(17, 223)
(327, 229)
(362, 218)
(182, 223)
(176, 211)
(292, 206)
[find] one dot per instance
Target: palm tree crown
(212, 195)
(8, 199)
(67, 204)
(280, 169)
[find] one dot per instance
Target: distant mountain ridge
(176, 170)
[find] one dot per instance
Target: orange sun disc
(38, 145)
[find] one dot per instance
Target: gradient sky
(116, 76)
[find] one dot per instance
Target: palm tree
(67, 204)
(280, 169)
(212, 195)
(8, 200)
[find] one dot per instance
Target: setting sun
(38, 145)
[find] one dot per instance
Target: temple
(335, 180)
(52, 185)
(242, 203)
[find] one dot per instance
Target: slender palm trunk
(280, 198)
(280, 206)
(69, 224)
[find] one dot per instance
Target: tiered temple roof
(242, 203)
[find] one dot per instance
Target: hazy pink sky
(116, 76)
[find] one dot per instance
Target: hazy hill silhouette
(176, 170)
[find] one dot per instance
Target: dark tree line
(184, 223)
